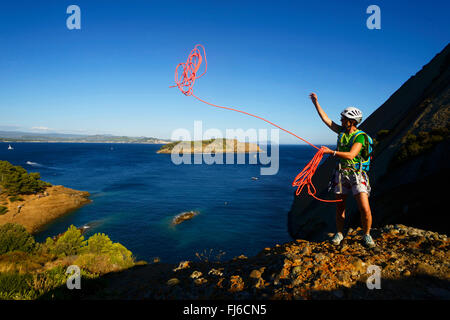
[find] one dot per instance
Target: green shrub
(15, 286)
(31, 285)
(98, 243)
(15, 180)
(70, 243)
(15, 237)
(415, 145)
(22, 262)
(101, 255)
(382, 134)
(3, 210)
(15, 198)
(49, 280)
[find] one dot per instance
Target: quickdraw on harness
(185, 82)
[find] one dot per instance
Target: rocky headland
(34, 211)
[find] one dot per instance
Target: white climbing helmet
(352, 113)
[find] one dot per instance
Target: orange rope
(185, 83)
(304, 177)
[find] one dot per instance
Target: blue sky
(264, 57)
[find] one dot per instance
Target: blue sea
(136, 193)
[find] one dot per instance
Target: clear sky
(265, 57)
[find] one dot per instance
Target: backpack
(366, 152)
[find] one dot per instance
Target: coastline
(38, 210)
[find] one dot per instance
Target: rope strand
(185, 83)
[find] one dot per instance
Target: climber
(354, 149)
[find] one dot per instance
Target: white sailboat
(10, 148)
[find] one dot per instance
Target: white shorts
(345, 181)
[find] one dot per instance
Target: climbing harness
(357, 168)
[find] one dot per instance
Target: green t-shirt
(345, 146)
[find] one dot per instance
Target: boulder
(183, 217)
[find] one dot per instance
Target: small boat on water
(10, 148)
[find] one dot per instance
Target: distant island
(210, 146)
(16, 136)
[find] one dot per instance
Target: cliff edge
(412, 264)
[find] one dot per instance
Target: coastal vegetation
(380, 136)
(210, 146)
(15, 198)
(3, 210)
(15, 180)
(14, 237)
(30, 270)
(167, 148)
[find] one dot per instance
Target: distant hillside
(16, 136)
(410, 168)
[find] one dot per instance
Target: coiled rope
(185, 82)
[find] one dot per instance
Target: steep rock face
(411, 191)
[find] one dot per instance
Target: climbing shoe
(368, 241)
(338, 237)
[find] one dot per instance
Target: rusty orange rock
(237, 284)
(220, 283)
(260, 284)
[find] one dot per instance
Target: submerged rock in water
(183, 217)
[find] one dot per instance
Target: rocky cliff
(412, 264)
(410, 169)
